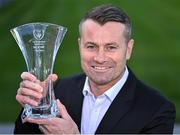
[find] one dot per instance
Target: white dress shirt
(94, 108)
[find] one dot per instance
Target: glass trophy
(39, 44)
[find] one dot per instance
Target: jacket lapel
(77, 100)
(119, 107)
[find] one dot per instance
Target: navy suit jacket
(136, 109)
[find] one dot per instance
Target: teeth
(100, 68)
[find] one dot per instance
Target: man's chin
(100, 81)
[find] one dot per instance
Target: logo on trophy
(39, 44)
(38, 34)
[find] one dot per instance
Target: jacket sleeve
(25, 128)
(162, 121)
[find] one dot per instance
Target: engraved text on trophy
(38, 42)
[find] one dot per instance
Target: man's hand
(63, 125)
(31, 90)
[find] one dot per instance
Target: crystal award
(39, 43)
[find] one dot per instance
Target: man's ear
(129, 49)
(79, 41)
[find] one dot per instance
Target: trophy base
(40, 112)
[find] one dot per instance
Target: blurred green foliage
(155, 60)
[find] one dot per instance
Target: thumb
(52, 77)
(63, 112)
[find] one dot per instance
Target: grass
(155, 30)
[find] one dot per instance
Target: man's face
(104, 51)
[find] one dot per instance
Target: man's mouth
(100, 68)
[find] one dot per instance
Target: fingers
(31, 85)
(31, 77)
(31, 89)
(26, 100)
(63, 112)
(38, 121)
(52, 77)
(28, 92)
(41, 121)
(28, 76)
(43, 129)
(27, 96)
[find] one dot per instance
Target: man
(108, 98)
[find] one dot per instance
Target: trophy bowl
(39, 43)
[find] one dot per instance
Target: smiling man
(107, 98)
(104, 51)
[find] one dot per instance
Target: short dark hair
(105, 13)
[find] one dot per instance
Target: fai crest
(38, 34)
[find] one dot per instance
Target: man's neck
(98, 90)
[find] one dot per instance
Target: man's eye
(111, 47)
(90, 46)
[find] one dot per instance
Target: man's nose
(100, 56)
